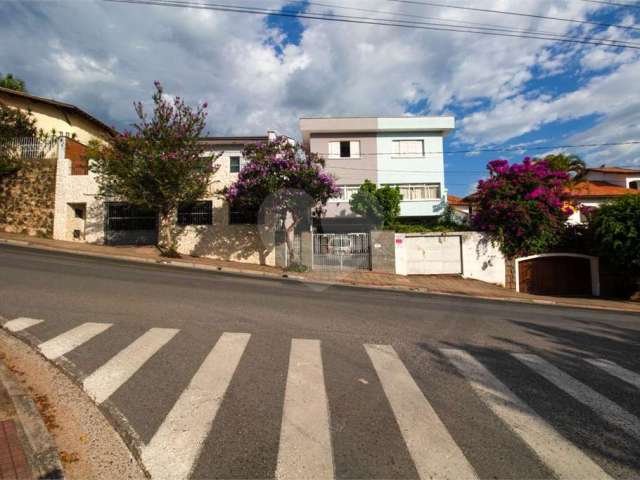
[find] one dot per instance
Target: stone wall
(27, 199)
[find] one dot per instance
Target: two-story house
(401, 151)
(599, 185)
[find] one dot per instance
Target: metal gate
(126, 224)
(341, 251)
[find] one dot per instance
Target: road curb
(40, 446)
(298, 278)
(113, 415)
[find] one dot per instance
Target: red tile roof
(604, 169)
(592, 188)
(453, 200)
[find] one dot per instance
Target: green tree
(282, 179)
(13, 83)
(566, 162)
(380, 206)
(158, 165)
(14, 123)
(616, 232)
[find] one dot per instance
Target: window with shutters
(344, 149)
(408, 148)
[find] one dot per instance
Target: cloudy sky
(264, 72)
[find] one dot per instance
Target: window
(78, 212)
(234, 164)
(419, 191)
(346, 192)
(408, 148)
(197, 213)
(635, 185)
(344, 149)
(239, 216)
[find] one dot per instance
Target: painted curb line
(113, 415)
(298, 278)
(41, 448)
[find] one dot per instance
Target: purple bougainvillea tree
(159, 164)
(282, 178)
(523, 206)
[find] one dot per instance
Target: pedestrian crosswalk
(306, 447)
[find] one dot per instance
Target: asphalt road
(224, 376)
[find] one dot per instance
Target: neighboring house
(402, 151)
(600, 185)
(207, 228)
(27, 198)
(66, 119)
(460, 206)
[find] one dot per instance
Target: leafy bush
(380, 206)
(616, 231)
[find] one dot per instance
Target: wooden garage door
(555, 276)
(433, 255)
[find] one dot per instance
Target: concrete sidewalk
(440, 284)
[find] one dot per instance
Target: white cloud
(114, 52)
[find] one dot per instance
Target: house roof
(605, 169)
(594, 188)
(234, 140)
(67, 107)
(454, 200)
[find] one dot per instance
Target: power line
(517, 14)
(366, 21)
(453, 23)
(615, 4)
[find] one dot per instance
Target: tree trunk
(167, 233)
(289, 237)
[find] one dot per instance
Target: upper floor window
(344, 149)
(419, 191)
(236, 163)
(346, 192)
(408, 148)
(197, 213)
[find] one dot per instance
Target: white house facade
(400, 151)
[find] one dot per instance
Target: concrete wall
(480, 259)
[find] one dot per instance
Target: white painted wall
(433, 255)
(480, 259)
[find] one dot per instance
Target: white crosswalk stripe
(173, 450)
(433, 450)
(561, 456)
(18, 324)
(605, 408)
(108, 378)
(65, 342)
(617, 371)
(305, 440)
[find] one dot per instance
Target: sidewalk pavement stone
(27, 450)
(441, 284)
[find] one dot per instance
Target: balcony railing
(30, 148)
